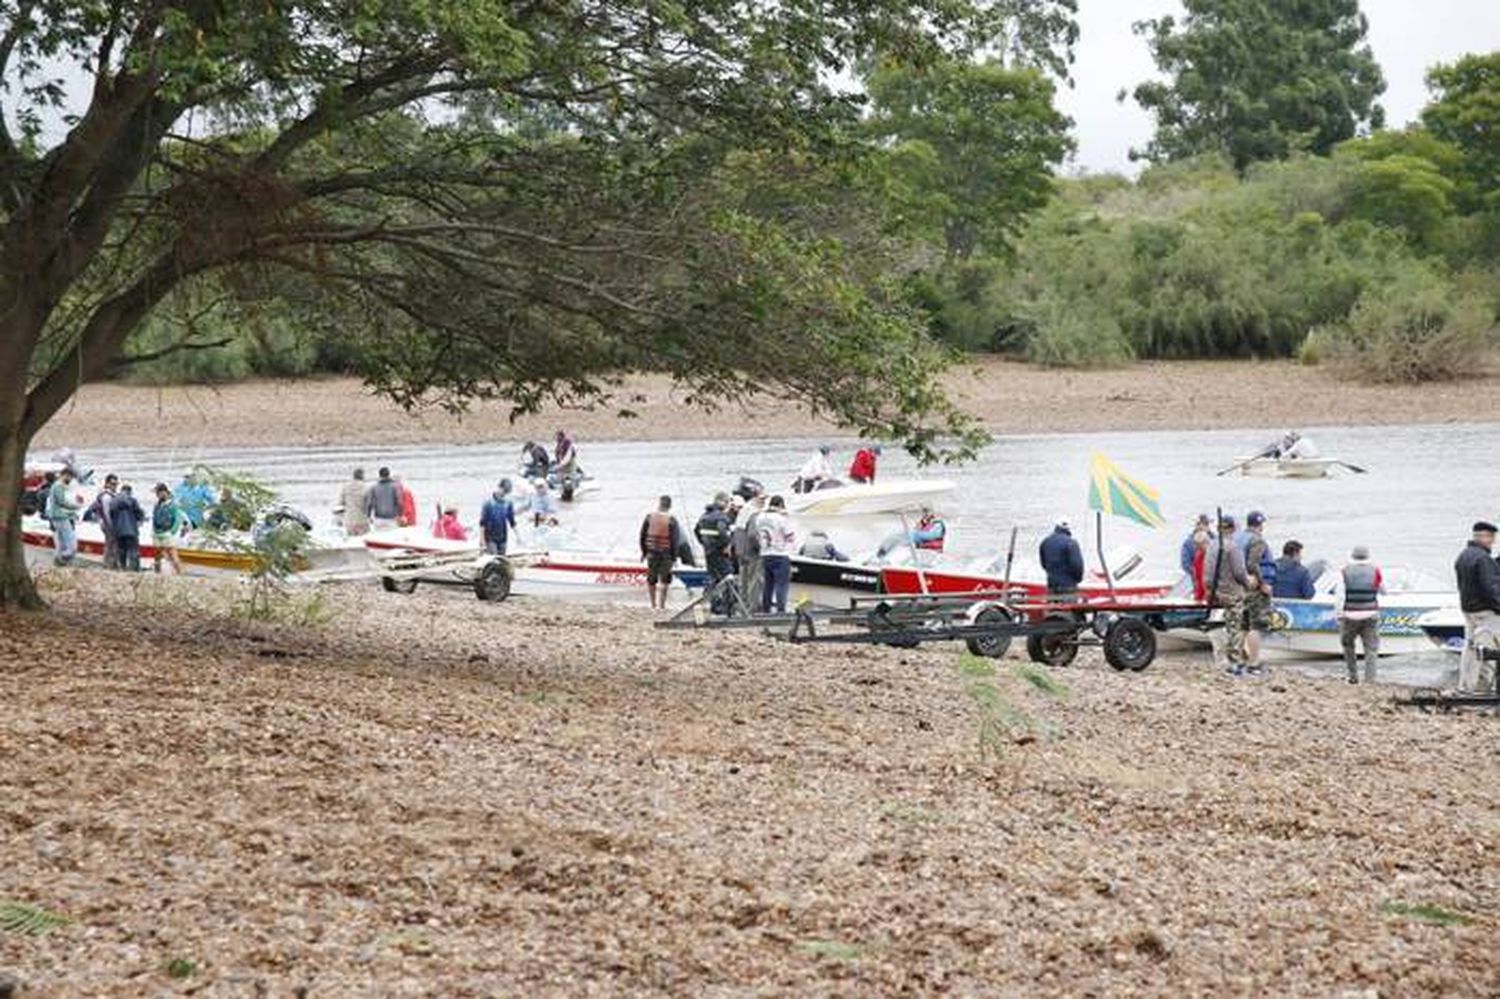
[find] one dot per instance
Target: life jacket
(934, 544)
(659, 533)
(1361, 587)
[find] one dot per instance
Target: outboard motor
(748, 488)
(282, 515)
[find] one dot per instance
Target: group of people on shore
(60, 500)
(749, 538)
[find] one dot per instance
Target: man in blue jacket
(1062, 560)
(497, 518)
(1293, 581)
(1189, 550)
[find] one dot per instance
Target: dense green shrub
(1415, 328)
(1076, 335)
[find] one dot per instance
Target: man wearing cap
(1356, 605)
(1261, 567)
(1226, 583)
(1062, 560)
(1479, 599)
(713, 530)
(815, 471)
(745, 543)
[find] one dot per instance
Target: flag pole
(1109, 578)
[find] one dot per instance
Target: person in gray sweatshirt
(1227, 582)
(383, 502)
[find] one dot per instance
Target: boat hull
(879, 498)
(1308, 629)
(1288, 468)
(906, 580)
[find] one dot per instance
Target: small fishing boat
(832, 583)
(1289, 468)
(1444, 628)
(1028, 582)
(202, 556)
(1308, 629)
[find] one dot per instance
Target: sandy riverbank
(1009, 397)
(436, 797)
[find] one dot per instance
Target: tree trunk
(17, 589)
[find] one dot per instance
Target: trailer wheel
(493, 583)
(991, 646)
(392, 585)
(1130, 644)
(1055, 649)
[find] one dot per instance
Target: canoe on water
(1289, 468)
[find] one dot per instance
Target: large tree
(501, 199)
(1259, 80)
(1465, 112)
(976, 143)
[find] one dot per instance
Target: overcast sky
(1408, 37)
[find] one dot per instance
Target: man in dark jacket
(125, 516)
(497, 518)
(1479, 599)
(1062, 560)
(383, 502)
(713, 531)
(1293, 581)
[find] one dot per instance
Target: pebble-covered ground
(430, 796)
(1008, 397)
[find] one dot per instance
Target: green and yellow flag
(1112, 491)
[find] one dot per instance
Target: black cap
(1485, 526)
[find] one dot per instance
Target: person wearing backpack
(167, 522)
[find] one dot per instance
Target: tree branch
(188, 343)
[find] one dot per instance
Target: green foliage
(1414, 328)
(1259, 81)
(1076, 334)
(29, 920)
(1436, 915)
(977, 141)
(833, 950)
(1465, 112)
(1000, 720)
(180, 967)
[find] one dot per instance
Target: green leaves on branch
(1259, 81)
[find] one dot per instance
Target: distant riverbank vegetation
(1275, 216)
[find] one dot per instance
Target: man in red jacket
(863, 468)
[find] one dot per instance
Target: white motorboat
(885, 498)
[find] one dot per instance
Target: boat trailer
(489, 576)
(986, 623)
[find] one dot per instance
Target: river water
(1425, 485)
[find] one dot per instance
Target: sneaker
(1256, 669)
(1234, 670)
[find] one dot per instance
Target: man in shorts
(661, 536)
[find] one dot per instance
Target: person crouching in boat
(447, 526)
(1293, 581)
(862, 468)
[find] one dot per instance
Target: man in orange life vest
(661, 536)
(862, 469)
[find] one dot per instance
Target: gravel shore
(430, 796)
(1008, 397)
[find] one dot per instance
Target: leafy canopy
(1258, 81)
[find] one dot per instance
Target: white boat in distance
(895, 496)
(1289, 468)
